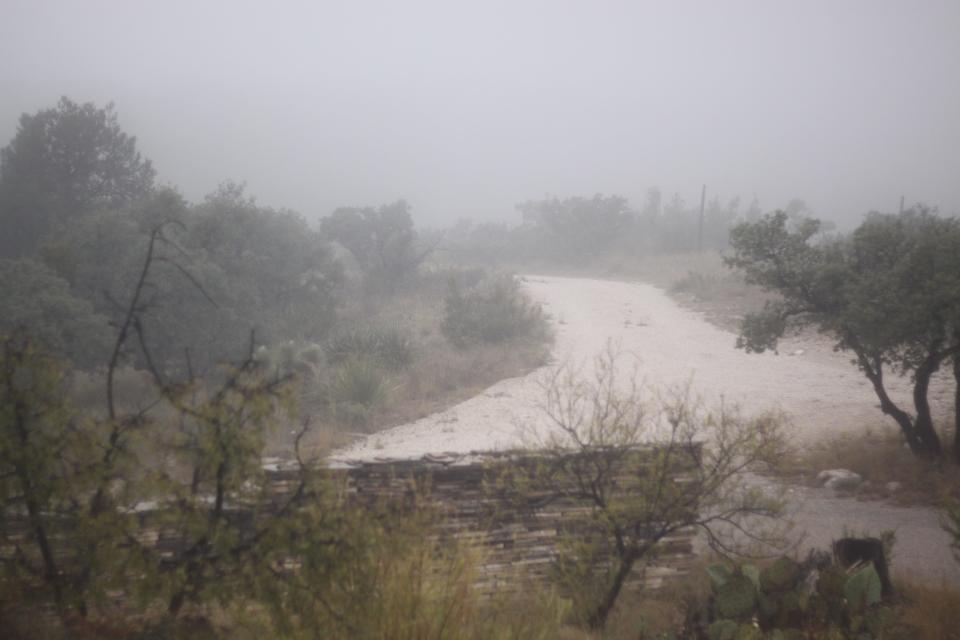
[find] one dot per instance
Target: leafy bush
(390, 347)
(494, 311)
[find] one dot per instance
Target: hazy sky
(465, 108)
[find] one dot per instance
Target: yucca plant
(392, 348)
(358, 387)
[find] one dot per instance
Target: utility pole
(703, 200)
(901, 205)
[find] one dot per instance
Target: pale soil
(819, 391)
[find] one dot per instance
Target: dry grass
(658, 613)
(880, 458)
(931, 612)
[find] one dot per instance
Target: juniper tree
(889, 294)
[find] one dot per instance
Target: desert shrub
(621, 448)
(391, 347)
(357, 388)
(494, 311)
(696, 283)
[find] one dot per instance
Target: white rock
(894, 486)
(839, 479)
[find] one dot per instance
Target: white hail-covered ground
(819, 390)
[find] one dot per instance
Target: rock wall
(518, 542)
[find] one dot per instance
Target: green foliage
(34, 297)
(223, 268)
(737, 598)
(600, 456)
(862, 589)
(65, 162)
(199, 542)
(781, 576)
(283, 272)
(358, 387)
(494, 311)
(382, 240)
(719, 575)
(789, 600)
(392, 348)
(890, 293)
(57, 550)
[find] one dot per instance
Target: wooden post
(703, 199)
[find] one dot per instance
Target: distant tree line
(77, 205)
(578, 231)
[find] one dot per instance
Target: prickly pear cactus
(863, 588)
(730, 630)
(737, 598)
(723, 630)
(780, 603)
(748, 632)
(781, 576)
(719, 575)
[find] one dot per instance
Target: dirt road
(818, 389)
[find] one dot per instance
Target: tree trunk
(923, 425)
(890, 408)
(599, 616)
(956, 408)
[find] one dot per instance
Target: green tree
(64, 162)
(383, 241)
(57, 549)
(98, 254)
(284, 273)
(889, 293)
(33, 423)
(33, 296)
(260, 270)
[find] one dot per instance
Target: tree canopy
(889, 293)
(63, 162)
(382, 240)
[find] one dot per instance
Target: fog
(467, 109)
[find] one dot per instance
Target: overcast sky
(466, 108)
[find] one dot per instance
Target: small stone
(839, 479)
(894, 486)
